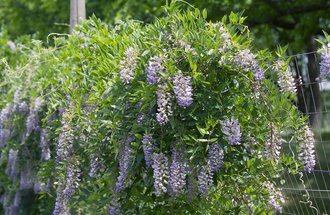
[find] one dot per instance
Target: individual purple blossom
(177, 180)
(161, 173)
(325, 63)
(164, 109)
(307, 149)
(246, 61)
(273, 145)
(183, 89)
(128, 65)
(124, 164)
(154, 68)
(232, 131)
(4, 136)
(215, 157)
(44, 144)
(205, 180)
(148, 149)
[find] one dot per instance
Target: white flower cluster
(128, 65)
(285, 78)
(307, 152)
(276, 198)
(273, 145)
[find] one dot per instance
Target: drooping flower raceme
(72, 178)
(65, 140)
(246, 60)
(12, 170)
(32, 119)
(273, 145)
(225, 40)
(232, 131)
(4, 136)
(276, 198)
(183, 89)
(307, 149)
(148, 149)
(325, 62)
(285, 78)
(205, 180)
(178, 173)
(124, 164)
(128, 65)
(154, 68)
(44, 145)
(161, 173)
(164, 109)
(215, 157)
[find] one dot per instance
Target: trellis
(309, 193)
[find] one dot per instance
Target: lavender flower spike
(177, 180)
(307, 152)
(183, 90)
(204, 180)
(325, 62)
(232, 131)
(128, 65)
(161, 173)
(276, 198)
(154, 68)
(164, 109)
(273, 145)
(215, 157)
(147, 149)
(124, 164)
(285, 78)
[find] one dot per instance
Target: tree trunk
(77, 13)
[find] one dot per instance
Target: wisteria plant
(181, 116)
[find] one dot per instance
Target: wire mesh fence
(309, 193)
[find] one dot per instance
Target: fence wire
(314, 101)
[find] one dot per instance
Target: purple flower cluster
(95, 166)
(115, 207)
(161, 173)
(226, 42)
(183, 90)
(72, 178)
(246, 61)
(124, 164)
(4, 136)
(307, 150)
(325, 63)
(192, 183)
(27, 179)
(65, 139)
(285, 78)
(215, 157)
(164, 109)
(23, 107)
(205, 179)
(232, 131)
(32, 119)
(44, 145)
(276, 198)
(154, 68)
(61, 203)
(11, 169)
(128, 65)
(273, 145)
(6, 114)
(148, 149)
(177, 180)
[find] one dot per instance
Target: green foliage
(90, 113)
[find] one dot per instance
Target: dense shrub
(181, 116)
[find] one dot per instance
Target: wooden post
(77, 12)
